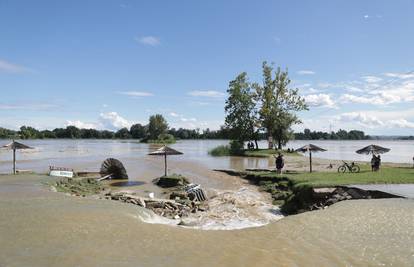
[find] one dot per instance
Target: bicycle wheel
(355, 168)
(342, 169)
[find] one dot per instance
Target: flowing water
(39, 227)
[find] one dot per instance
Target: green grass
(387, 175)
(268, 152)
(224, 150)
(220, 151)
(169, 141)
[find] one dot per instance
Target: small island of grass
(156, 131)
(162, 139)
(172, 180)
(226, 150)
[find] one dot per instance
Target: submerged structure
(114, 169)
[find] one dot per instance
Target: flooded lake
(88, 154)
(39, 227)
(43, 228)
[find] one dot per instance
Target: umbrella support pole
(14, 161)
(165, 164)
(310, 161)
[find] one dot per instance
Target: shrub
(222, 150)
(236, 148)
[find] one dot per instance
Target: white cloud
(382, 98)
(376, 119)
(372, 16)
(81, 125)
(371, 79)
(360, 118)
(190, 124)
(182, 118)
(306, 72)
(320, 100)
(149, 40)
(136, 93)
(113, 121)
(401, 123)
(28, 106)
(11, 68)
(277, 40)
(207, 93)
(188, 119)
(199, 103)
(407, 75)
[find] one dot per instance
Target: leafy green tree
(73, 132)
(138, 131)
(279, 104)
(27, 132)
(105, 134)
(48, 134)
(6, 133)
(157, 126)
(240, 109)
(123, 133)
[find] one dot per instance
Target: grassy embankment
(387, 175)
(293, 190)
(225, 150)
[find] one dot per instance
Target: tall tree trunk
(279, 144)
(257, 146)
(269, 142)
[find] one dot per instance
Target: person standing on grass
(378, 163)
(373, 161)
(280, 163)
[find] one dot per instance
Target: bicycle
(353, 168)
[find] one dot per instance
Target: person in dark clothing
(378, 163)
(280, 163)
(373, 160)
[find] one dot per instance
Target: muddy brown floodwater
(39, 227)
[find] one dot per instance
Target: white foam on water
(228, 210)
(150, 217)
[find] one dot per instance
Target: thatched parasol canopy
(15, 146)
(373, 149)
(310, 148)
(164, 151)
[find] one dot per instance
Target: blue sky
(107, 64)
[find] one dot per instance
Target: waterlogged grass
(220, 151)
(224, 150)
(386, 175)
(164, 141)
(268, 152)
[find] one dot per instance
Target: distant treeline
(137, 131)
(406, 137)
(339, 135)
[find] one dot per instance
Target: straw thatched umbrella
(15, 146)
(373, 149)
(311, 148)
(164, 151)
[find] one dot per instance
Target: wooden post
(14, 161)
(165, 163)
(310, 160)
